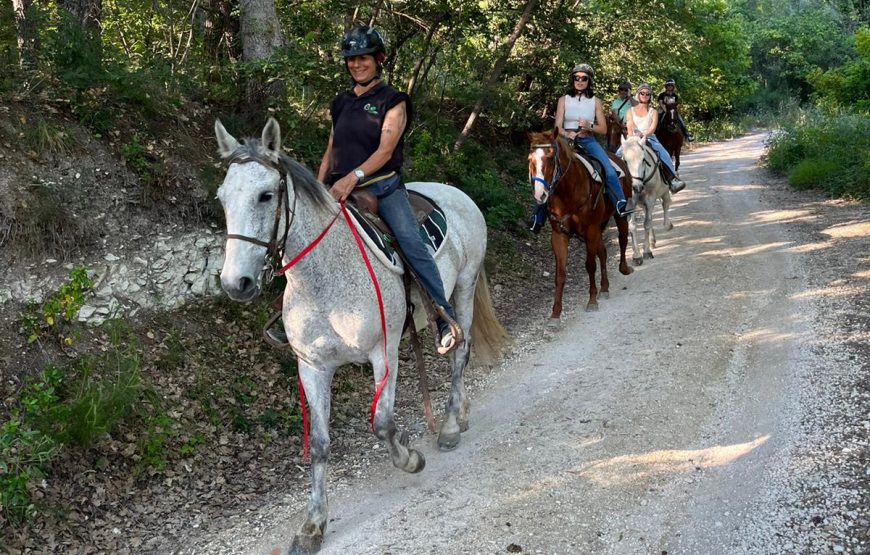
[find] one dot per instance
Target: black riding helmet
(362, 40)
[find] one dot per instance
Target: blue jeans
(614, 189)
(395, 210)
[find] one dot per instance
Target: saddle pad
(432, 229)
(594, 171)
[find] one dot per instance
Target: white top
(642, 123)
(579, 107)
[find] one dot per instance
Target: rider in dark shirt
(668, 99)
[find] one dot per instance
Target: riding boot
(684, 129)
(676, 185)
(538, 218)
(626, 207)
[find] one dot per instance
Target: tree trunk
(25, 28)
(261, 38)
(507, 47)
(220, 27)
(88, 13)
(412, 82)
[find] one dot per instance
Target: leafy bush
(826, 151)
(59, 310)
(24, 457)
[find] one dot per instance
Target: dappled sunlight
(626, 469)
(746, 251)
(865, 274)
(738, 188)
(809, 247)
(705, 240)
(756, 337)
(849, 231)
(780, 216)
(831, 292)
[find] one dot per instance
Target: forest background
(146, 78)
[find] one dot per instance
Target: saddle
(663, 170)
(595, 168)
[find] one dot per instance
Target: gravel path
(717, 403)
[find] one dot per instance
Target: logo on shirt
(371, 109)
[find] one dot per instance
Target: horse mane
(303, 179)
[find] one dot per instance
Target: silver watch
(359, 174)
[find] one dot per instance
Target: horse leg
(649, 233)
(559, 242)
(622, 228)
(409, 460)
(666, 205)
(456, 411)
(593, 240)
(637, 256)
(317, 384)
(604, 292)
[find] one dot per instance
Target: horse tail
(487, 333)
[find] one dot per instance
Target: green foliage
(159, 429)
(58, 311)
(848, 84)
(830, 152)
(44, 137)
(24, 456)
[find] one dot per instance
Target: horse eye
(266, 197)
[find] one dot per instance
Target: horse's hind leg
(317, 385)
(622, 229)
(604, 293)
(409, 460)
(456, 411)
(666, 205)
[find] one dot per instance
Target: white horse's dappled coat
(647, 182)
(330, 310)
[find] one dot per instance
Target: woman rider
(579, 114)
(668, 99)
(642, 121)
(365, 148)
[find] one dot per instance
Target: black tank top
(356, 128)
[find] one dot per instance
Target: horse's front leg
(637, 253)
(593, 244)
(666, 205)
(409, 460)
(649, 234)
(317, 383)
(559, 242)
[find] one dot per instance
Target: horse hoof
(648, 255)
(592, 307)
(604, 295)
(448, 441)
(669, 227)
(416, 462)
(304, 544)
(637, 261)
(463, 425)
(626, 269)
(554, 323)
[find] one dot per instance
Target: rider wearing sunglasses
(579, 114)
(620, 106)
(642, 121)
(668, 99)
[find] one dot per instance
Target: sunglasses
(623, 90)
(643, 94)
(580, 79)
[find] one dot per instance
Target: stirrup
(676, 185)
(275, 336)
(454, 336)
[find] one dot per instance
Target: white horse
(331, 313)
(649, 185)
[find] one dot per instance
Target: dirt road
(713, 405)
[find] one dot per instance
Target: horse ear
(271, 138)
(621, 139)
(227, 144)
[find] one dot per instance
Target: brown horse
(615, 131)
(579, 207)
(669, 134)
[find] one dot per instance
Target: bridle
(558, 173)
(644, 178)
(274, 248)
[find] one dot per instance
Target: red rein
(383, 382)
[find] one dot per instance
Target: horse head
(634, 155)
(546, 153)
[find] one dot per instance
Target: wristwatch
(359, 174)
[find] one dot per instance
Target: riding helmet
(362, 40)
(585, 68)
(670, 82)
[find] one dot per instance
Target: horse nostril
(245, 284)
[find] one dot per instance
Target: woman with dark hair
(579, 114)
(642, 121)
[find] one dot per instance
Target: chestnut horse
(579, 206)
(669, 134)
(616, 130)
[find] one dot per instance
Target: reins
(558, 174)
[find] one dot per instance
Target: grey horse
(330, 312)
